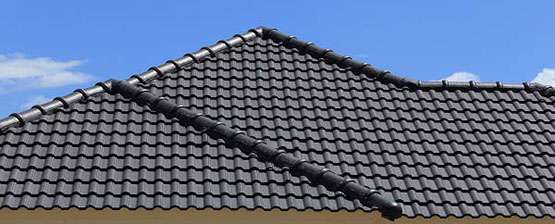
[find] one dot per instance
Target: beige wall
(227, 216)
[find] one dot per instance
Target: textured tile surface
(475, 153)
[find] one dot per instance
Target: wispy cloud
(34, 101)
(462, 77)
(546, 77)
(18, 73)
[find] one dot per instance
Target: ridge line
(36, 111)
(238, 139)
(388, 77)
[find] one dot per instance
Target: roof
(437, 148)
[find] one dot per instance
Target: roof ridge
(383, 75)
(234, 138)
(36, 111)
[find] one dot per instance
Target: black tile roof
(438, 148)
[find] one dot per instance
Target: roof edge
(388, 77)
(36, 111)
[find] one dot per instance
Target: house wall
(244, 216)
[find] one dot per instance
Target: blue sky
(49, 48)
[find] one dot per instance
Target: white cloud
(462, 77)
(18, 72)
(546, 77)
(34, 101)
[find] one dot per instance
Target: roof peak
(35, 112)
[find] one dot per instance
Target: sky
(50, 48)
